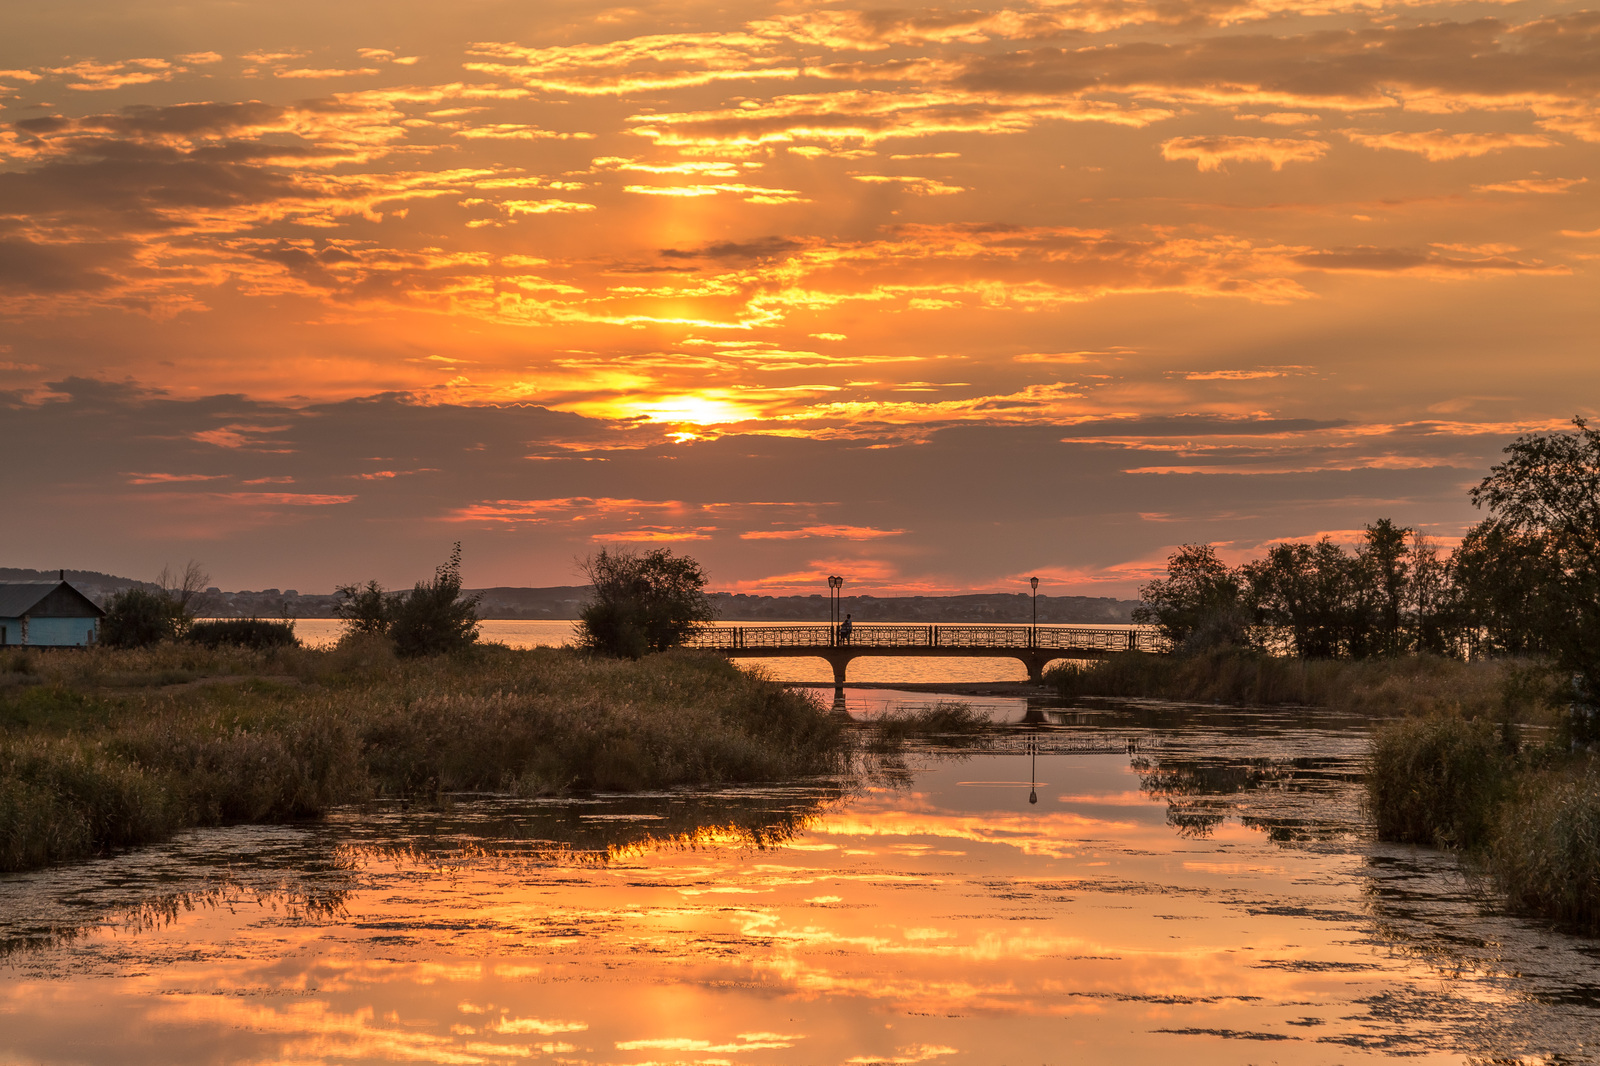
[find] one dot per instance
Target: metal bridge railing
(1046, 638)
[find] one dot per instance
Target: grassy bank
(1528, 815)
(1450, 770)
(100, 749)
(1409, 685)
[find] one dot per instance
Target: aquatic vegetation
(104, 748)
(946, 723)
(256, 633)
(1529, 817)
(1545, 852)
(1438, 780)
(1412, 684)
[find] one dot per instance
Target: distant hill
(563, 601)
(92, 583)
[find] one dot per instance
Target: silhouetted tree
(1311, 593)
(1505, 582)
(642, 602)
(1431, 600)
(1198, 603)
(1549, 488)
(432, 619)
(1384, 563)
(138, 617)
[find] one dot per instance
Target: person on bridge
(844, 630)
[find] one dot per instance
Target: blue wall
(51, 632)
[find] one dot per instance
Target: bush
(642, 603)
(137, 618)
(1439, 780)
(432, 619)
(254, 633)
(1546, 852)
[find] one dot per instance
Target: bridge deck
(1020, 641)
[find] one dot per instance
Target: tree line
(1524, 581)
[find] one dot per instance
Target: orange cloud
(1437, 145)
(834, 532)
(1211, 153)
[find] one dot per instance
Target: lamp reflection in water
(1032, 747)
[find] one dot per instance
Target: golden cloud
(1211, 153)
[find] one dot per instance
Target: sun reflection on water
(1213, 897)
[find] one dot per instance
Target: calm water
(1192, 886)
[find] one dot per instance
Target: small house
(47, 614)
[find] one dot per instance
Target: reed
(1439, 780)
(1545, 853)
(948, 719)
(103, 749)
(1406, 685)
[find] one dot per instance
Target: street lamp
(1034, 583)
(835, 583)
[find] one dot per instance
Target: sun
(698, 409)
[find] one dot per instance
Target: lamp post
(1033, 582)
(835, 583)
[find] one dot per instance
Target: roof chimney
(63, 574)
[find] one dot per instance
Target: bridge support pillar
(1035, 663)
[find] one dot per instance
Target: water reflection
(1032, 900)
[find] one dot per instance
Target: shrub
(1546, 852)
(642, 603)
(254, 633)
(1438, 780)
(137, 618)
(432, 619)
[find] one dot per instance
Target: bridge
(1035, 646)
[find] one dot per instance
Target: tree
(1198, 603)
(435, 618)
(432, 619)
(1549, 487)
(1385, 565)
(1312, 593)
(1505, 583)
(138, 617)
(642, 602)
(1431, 600)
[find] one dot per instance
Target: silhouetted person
(844, 630)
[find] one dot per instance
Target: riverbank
(1526, 814)
(1452, 769)
(1408, 685)
(101, 749)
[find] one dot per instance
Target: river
(1192, 884)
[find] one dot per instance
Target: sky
(934, 297)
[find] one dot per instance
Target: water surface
(1191, 885)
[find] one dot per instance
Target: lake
(1192, 884)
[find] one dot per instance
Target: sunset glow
(930, 296)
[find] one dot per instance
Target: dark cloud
(308, 496)
(1482, 57)
(760, 248)
(28, 267)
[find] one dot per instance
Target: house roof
(18, 598)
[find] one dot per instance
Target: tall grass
(1439, 780)
(1527, 816)
(1545, 852)
(104, 749)
(1414, 684)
